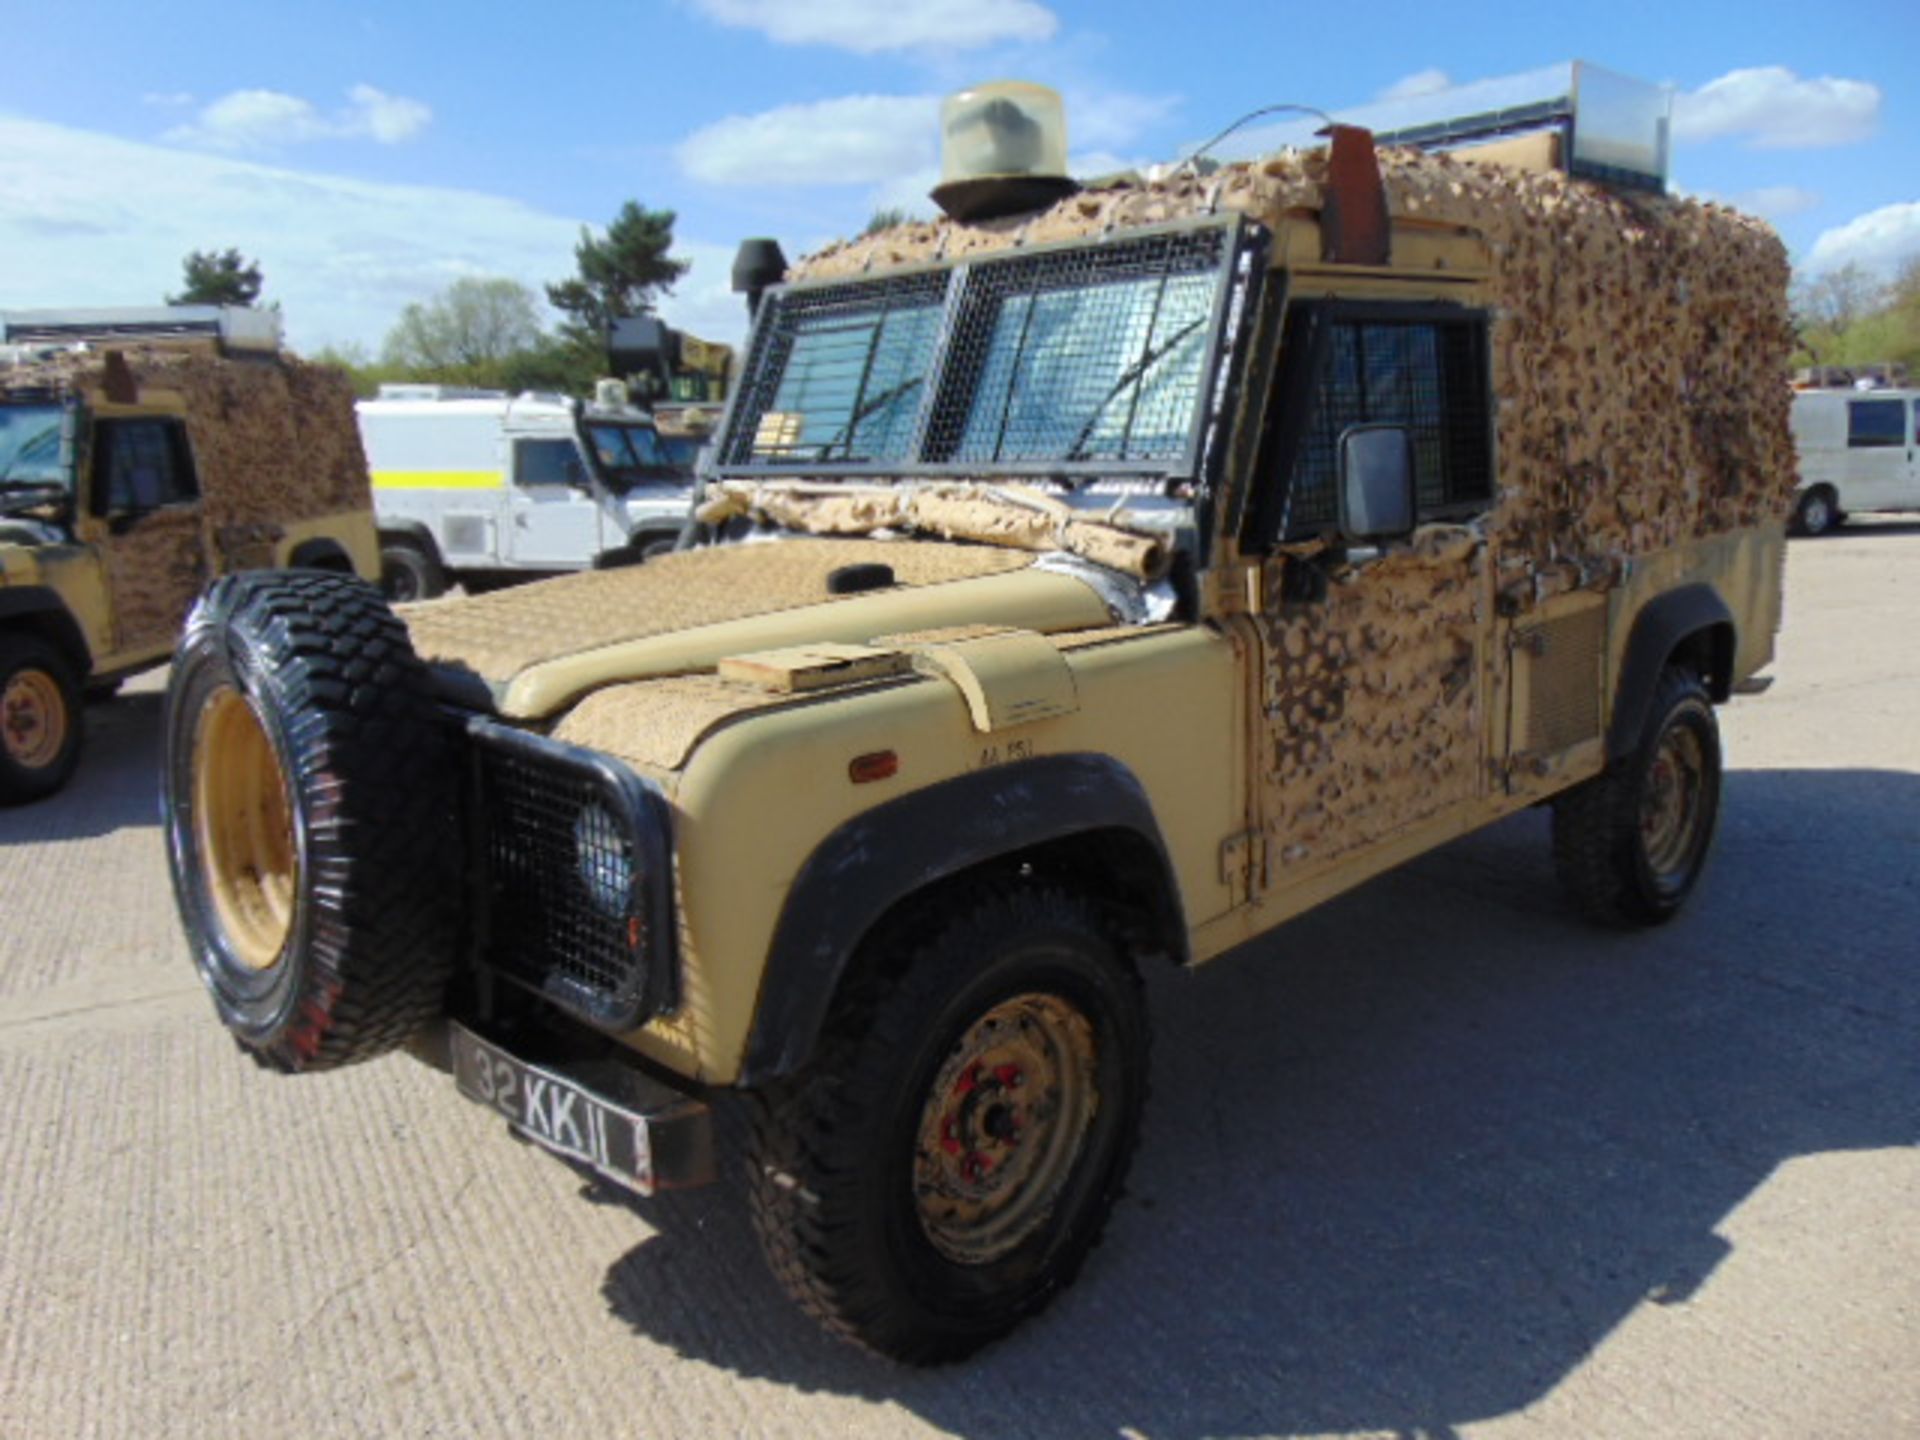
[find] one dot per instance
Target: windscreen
(628, 452)
(30, 457)
(1093, 356)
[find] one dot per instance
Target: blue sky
(369, 154)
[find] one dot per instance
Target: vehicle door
(1878, 465)
(144, 521)
(1375, 672)
(556, 515)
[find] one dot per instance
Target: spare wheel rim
(243, 819)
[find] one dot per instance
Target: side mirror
(1376, 482)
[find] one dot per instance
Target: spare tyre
(310, 798)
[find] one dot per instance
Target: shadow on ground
(1411, 1159)
(117, 784)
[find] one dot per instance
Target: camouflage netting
(273, 437)
(1640, 369)
(1015, 516)
(1640, 346)
(501, 634)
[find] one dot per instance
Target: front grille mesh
(564, 905)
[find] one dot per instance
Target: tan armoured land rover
(143, 452)
(1081, 590)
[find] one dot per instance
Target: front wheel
(1629, 844)
(943, 1166)
(40, 724)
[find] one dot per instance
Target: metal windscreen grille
(1093, 353)
(844, 373)
(1427, 376)
(560, 872)
(1096, 354)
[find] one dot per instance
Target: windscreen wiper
(1132, 374)
(844, 435)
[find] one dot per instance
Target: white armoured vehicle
(478, 485)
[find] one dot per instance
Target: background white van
(482, 486)
(1857, 453)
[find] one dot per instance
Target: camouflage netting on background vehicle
(273, 436)
(1608, 306)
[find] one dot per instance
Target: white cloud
(1775, 202)
(1879, 241)
(1107, 118)
(267, 119)
(1421, 82)
(853, 140)
(869, 27)
(90, 219)
(389, 119)
(890, 141)
(1775, 109)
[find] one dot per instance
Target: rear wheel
(408, 572)
(1629, 845)
(1817, 513)
(943, 1166)
(310, 807)
(40, 722)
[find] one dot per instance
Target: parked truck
(144, 452)
(1092, 584)
(479, 485)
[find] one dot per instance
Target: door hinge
(1243, 865)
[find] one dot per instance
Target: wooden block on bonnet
(801, 668)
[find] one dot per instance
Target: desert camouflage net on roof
(274, 438)
(501, 634)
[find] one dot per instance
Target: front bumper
(636, 1130)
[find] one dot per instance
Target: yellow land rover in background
(142, 454)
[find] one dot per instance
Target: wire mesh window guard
(1094, 355)
(1427, 375)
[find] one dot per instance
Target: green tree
(214, 277)
(619, 275)
(885, 219)
(469, 328)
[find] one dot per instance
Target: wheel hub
(243, 816)
(1671, 808)
(1002, 1125)
(33, 719)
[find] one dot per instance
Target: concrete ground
(1436, 1160)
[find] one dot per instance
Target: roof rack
(1611, 127)
(234, 327)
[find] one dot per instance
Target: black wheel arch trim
(879, 858)
(309, 553)
(43, 610)
(1661, 627)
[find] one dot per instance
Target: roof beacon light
(1003, 150)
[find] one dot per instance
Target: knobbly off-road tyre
(855, 1164)
(1630, 844)
(41, 728)
(310, 801)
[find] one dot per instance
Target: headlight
(603, 857)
